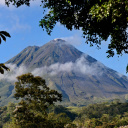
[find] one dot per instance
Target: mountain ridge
(79, 77)
(40, 54)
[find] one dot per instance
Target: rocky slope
(79, 77)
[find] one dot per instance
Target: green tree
(98, 19)
(10, 108)
(36, 97)
(61, 109)
(58, 120)
(93, 123)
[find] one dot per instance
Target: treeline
(58, 117)
(112, 115)
(105, 115)
(37, 109)
(97, 110)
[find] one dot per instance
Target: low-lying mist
(81, 65)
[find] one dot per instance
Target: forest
(104, 115)
(37, 109)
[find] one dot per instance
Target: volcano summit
(80, 78)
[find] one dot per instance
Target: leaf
(2, 67)
(3, 37)
(5, 33)
(127, 69)
(6, 68)
(1, 64)
(1, 71)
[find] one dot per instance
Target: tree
(3, 35)
(98, 19)
(35, 97)
(59, 121)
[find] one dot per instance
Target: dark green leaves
(36, 97)
(127, 69)
(3, 35)
(17, 3)
(2, 67)
(99, 20)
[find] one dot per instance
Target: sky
(23, 25)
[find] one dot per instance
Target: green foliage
(93, 123)
(3, 35)
(17, 3)
(6, 114)
(61, 109)
(103, 115)
(2, 67)
(98, 19)
(97, 110)
(36, 97)
(58, 120)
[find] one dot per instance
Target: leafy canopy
(35, 97)
(98, 19)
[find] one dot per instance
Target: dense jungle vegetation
(104, 115)
(37, 109)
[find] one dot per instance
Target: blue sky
(23, 25)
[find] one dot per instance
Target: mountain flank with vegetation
(80, 78)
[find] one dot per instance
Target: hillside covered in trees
(105, 115)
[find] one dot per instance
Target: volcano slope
(80, 78)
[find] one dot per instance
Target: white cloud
(35, 3)
(81, 66)
(2, 2)
(13, 73)
(53, 69)
(14, 24)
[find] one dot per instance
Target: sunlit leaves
(99, 20)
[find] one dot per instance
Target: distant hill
(79, 77)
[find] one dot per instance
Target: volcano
(79, 77)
